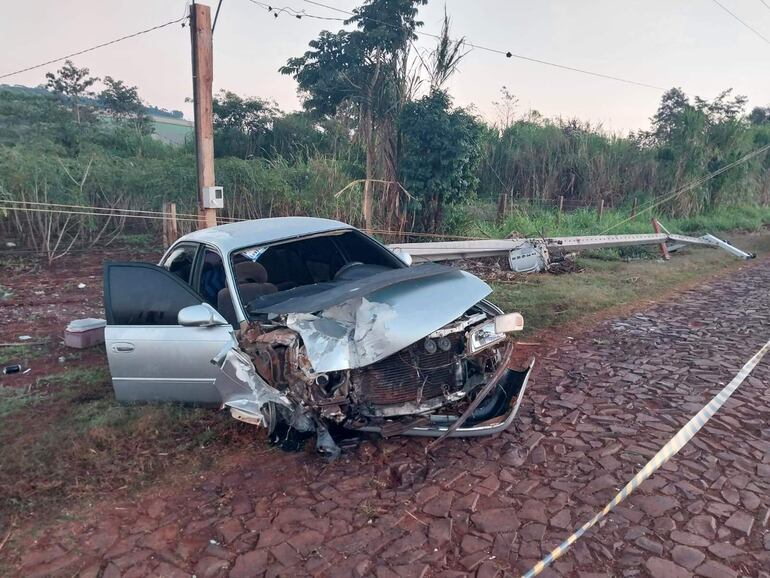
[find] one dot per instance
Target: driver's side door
(151, 356)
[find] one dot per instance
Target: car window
(180, 262)
(312, 264)
(212, 277)
(142, 294)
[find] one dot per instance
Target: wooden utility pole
(170, 230)
(203, 76)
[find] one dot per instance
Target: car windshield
(266, 275)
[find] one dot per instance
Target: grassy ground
(609, 281)
(66, 438)
(534, 221)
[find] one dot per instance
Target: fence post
(663, 248)
(170, 231)
(561, 208)
(633, 208)
(601, 209)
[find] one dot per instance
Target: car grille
(399, 378)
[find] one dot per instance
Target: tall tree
(363, 68)
(241, 124)
(442, 148)
(71, 83)
(124, 104)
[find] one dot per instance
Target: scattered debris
(81, 285)
(9, 369)
(82, 333)
(25, 337)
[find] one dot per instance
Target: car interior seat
(251, 279)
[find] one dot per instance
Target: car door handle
(123, 347)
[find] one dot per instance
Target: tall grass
(538, 221)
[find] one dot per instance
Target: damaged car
(310, 325)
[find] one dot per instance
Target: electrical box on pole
(203, 76)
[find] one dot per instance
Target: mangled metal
(395, 361)
(245, 393)
(362, 331)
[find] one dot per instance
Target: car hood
(384, 314)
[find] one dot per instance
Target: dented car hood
(383, 314)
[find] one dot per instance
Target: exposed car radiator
(413, 374)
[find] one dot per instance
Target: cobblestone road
(599, 406)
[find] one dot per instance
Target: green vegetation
(377, 116)
(21, 353)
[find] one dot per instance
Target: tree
(71, 83)
(759, 115)
(696, 138)
(445, 57)
(364, 68)
(442, 148)
(241, 124)
(124, 104)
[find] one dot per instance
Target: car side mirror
(203, 315)
(404, 256)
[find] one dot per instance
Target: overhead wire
(216, 17)
(506, 53)
(92, 48)
(743, 22)
(298, 14)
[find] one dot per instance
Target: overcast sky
(689, 43)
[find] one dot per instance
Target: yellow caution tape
(683, 436)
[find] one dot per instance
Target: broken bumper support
(494, 414)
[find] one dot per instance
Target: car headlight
(493, 331)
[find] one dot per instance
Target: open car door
(154, 353)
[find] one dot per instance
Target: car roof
(260, 231)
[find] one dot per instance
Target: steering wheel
(347, 267)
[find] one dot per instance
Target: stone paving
(600, 405)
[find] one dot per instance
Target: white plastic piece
(509, 323)
(80, 325)
(213, 198)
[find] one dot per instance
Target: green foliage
(124, 105)
(241, 124)
(71, 84)
(441, 155)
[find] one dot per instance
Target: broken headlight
(493, 331)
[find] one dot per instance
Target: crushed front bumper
(494, 415)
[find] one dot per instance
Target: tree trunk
(371, 158)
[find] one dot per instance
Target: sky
(693, 44)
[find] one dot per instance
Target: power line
(298, 14)
(506, 53)
(746, 24)
(765, 4)
(216, 15)
(115, 41)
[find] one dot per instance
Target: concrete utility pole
(203, 76)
